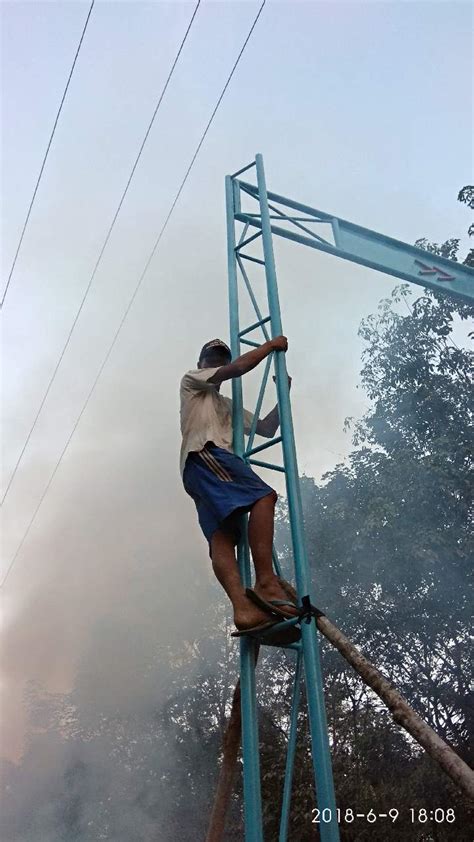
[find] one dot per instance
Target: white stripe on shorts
(214, 465)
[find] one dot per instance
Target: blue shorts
(222, 485)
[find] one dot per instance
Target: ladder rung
(253, 259)
(252, 327)
(263, 446)
(244, 169)
(249, 342)
(248, 240)
(267, 465)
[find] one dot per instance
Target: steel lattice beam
(368, 248)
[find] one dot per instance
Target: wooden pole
(225, 783)
(402, 712)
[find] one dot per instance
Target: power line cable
(99, 259)
(46, 154)
(134, 294)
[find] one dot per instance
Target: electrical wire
(46, 154)
(99, 259)
(134, 294)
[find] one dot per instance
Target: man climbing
(223, 486)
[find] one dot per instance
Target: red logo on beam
(432, 270)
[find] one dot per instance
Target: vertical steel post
(317, 714)
(250, 750)
(290, 757)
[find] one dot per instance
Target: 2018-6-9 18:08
(439, 815)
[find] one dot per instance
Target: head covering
(218, 344)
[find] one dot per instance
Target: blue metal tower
(359, 245)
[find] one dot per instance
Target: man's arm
(268, 426)
(248, 361)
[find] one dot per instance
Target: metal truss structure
(360, 245)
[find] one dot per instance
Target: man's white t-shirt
(206, 415)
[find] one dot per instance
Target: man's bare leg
(224, 563)
(260, 532)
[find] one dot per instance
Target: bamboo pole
(403, 714)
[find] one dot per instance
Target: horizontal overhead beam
(377, 251)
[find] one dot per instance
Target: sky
(361, 109)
